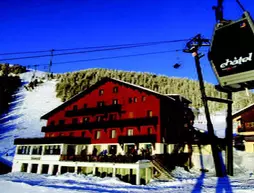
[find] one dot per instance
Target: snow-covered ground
(23, 120)
(72, 183)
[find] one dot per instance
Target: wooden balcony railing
(94, 110)
(103, 124)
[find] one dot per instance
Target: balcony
(105, 158)
(94, 110)
(137, 139)
(137, 122)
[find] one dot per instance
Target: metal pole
(215, 151)
(229, 138)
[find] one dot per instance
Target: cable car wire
(113, 57)
(96, 47)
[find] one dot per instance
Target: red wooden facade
(245, 118)
(111, 109)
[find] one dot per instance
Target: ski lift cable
(114, 57)
(79, 52)
(97, 47)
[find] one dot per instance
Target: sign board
(232, 54)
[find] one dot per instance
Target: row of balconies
(94, 110)
(103, 124)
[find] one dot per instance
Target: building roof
(98, 84)
(243, 110)
(179, 97)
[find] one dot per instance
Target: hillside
(23, 116)
(71, 84)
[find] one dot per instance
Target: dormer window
(115, 89)
(135, 99)
(101, 92)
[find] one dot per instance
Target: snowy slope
(23, 118)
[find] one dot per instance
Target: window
(24, 167)
(100, 104)
(52, 123)
(52, 150)
(74, 121)
(131, 115)
(143, 98)
(112, 116)
(115, 102)
(37, 150)
(99, 118)
(24, 150)
(130, 100)
(97, 134)
(101, 92)
(75, 107)
(83, 134)
(135, 99)
(149, 113)
(61, 134)
(85, 119)
(115, 89)
(85, 106)
(71, 134)
(61, 122)
(34, 168)
(149, 130)
(113, 134)
(45, 169)
(130, 132)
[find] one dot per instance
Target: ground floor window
(24, 167)
(45, 169)
(34, 168)
(55, 169)
(65, 169)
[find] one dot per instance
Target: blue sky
(31, 25)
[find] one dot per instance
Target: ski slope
(23, 117)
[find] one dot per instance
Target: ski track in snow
(23, 118)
